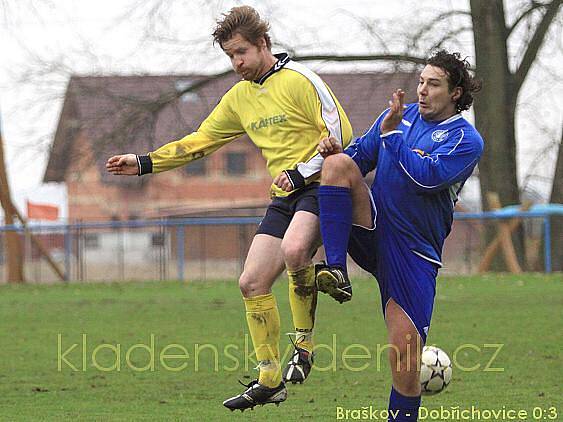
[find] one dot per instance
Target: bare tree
(13, 243)
(503, 63)
(13, 246)
(506, 43)
(496, 109)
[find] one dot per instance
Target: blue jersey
(420, 169)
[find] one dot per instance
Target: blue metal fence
(75, 233)
(170, 240)
(543, 212)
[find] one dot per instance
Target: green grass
(523, 313)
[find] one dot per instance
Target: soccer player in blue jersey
(422, 154)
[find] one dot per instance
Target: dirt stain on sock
(301, 286)
(305, 290)
(259, 318)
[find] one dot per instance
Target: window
(91, 241)
(236, 163)
(158, 240)
(197, 167)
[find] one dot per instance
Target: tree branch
(141, 110)
(431, 25)
(359, 58)
(535, 44)
(155, 106)
(370, 27)
(533, 6)
(450, 35)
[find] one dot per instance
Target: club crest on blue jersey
(440, 135)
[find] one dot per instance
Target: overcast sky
(104, 37)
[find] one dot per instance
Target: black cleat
(334, 282)
(299, 366)
(256, 394)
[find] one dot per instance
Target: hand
(125, 164)
(329, 146)
(395, 115)
(283, 182)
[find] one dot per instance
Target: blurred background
(81, 81)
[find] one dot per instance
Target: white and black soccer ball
(435, 370)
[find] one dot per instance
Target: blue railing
(178, 223)
(537, 211)
(541, 212)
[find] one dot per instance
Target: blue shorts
(407, 278)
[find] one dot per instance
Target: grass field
(473, 315)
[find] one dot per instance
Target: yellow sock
(264, 324)
(303, 302)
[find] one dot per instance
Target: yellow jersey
(285, 113)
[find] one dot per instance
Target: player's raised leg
(404, 355)
(263, 265)
(343, 200)
(301, 240)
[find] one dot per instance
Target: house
(108, 115)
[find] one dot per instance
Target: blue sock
(403, 408)
(335, 203)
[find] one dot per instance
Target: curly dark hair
(457, 70)
(243, 20)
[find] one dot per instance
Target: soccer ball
(435, 370)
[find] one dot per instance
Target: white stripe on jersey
(374, 211)
(426, 258)
(451, 119)
(329, 113)
(391, 132)
(436, 159)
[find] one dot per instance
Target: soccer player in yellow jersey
(285, 109)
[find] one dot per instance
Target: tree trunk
(494, 107)
(557, 221)
(14, 256)
(13, 245)
(494, 111)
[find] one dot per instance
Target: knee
(295, 254)
(336, 167)
(248, 284)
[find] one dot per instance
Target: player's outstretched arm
(125, 164)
